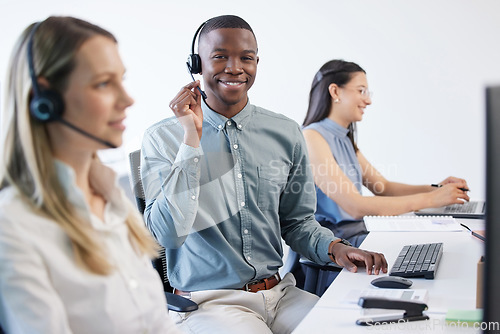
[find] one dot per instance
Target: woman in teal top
(328, 212)
(338, 98)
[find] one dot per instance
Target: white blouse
(42, 290)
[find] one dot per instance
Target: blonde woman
(74, 254)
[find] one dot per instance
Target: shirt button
(239, 176)
(249, 258)
(240, 126)
(242, 203)
(193, 197)
(245, 231)
(220, 126)
(133, 283)
(196, 159)
(235, 146)
(228, 122)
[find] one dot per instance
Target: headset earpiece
(194, 60)
(194, 63)
(46, 105)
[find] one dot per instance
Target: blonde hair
(28, 160)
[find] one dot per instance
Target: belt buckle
(247, 285)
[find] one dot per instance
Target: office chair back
(135, 166)
(175, 303)
(160, 263)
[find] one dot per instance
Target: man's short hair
(225, 21)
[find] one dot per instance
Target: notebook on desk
(407, 223)
(472, 209)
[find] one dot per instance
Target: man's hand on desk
(351, 257)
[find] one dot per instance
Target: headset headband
(196, 35)
(31, 65)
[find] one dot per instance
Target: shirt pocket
(272, 181)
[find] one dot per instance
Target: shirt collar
(220, 122)
(334, 127)
(103, 180)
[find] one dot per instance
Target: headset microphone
(203, 94)
(194, 61)
(85, 133)
(48, 105)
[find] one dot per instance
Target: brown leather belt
(263, 284)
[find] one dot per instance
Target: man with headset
(224, 181)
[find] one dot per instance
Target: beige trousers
(278, 310)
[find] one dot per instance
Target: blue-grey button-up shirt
(221, 209)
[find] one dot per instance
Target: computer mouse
(392, 282)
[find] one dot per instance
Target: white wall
(427, 62)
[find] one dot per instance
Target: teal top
(343, 152)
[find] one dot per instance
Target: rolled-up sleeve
(300, 229)
(170, 172)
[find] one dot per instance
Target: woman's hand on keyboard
(449, 193)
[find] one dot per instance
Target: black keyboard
(420, 260)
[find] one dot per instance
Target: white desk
(453, 288)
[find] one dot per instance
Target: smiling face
(353, 98)
(95, 98)
(229, 65)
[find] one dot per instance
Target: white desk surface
(454, 286)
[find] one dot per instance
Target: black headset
(194, 60)
(46, 105)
